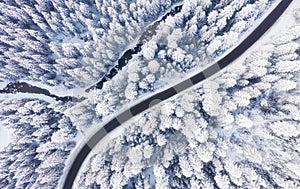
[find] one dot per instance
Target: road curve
(161, 96)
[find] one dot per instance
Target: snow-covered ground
(3, 84)
(5, 137)
(27, 95)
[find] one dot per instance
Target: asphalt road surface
(161, 96)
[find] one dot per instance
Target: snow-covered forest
(237, 129)
(162, 57)
(69, 43)
(42, 140)
(188, 41)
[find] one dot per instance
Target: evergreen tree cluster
(42, 140)
(69, 43)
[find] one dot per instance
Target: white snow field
(5, 137)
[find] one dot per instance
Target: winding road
(162, 96)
